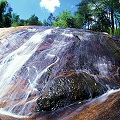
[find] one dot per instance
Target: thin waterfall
(18, 86)
(13, 62)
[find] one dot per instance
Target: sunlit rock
(47, 68)
(87, 68)
(108, 109)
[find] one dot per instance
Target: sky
(42, 8)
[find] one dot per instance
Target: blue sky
(42, 8)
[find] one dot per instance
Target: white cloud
(50, 5)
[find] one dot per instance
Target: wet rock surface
(46, 69)
(107, 110)
(69, 88)
(87, 68)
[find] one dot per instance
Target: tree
(50, 20)
(114, 9)
(3, 5)
(15, 20)
(33, 20)
(84, 14)
(99, 15)
(7, 18)
(5, 14)
(109, 10)
(65, 19)
(23, 22)
(45, 23)
(100, 19)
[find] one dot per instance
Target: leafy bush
(116, 32)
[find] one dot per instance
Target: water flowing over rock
(46, 68)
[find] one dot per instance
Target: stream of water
(22, 69)
(14, 91)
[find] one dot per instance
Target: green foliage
(116, 32)
(84, 14)
(5, 14)
(50, 20)
(65, 19)
(79, 21)
(15, 20)
(110, 9)
(33, 20)
(8, 19)
(99, 15)
(45, 23)
(23, 22)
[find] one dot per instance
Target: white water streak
(103, 97)
(100, 99)
(3, 112)
(14, 61)
(103, 65)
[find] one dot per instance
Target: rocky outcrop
(87, 68)
(68, 88)
(48, 69)
(5, 32)
(107, 110)
(114, 45)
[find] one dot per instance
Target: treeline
(8, 18)
(33, 20)
(100, 15)
(97, 15)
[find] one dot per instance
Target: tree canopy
(5, 14)
(65, 19)
(97, 15)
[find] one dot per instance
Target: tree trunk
(112, 21)
(88, 24)
(116, 25)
